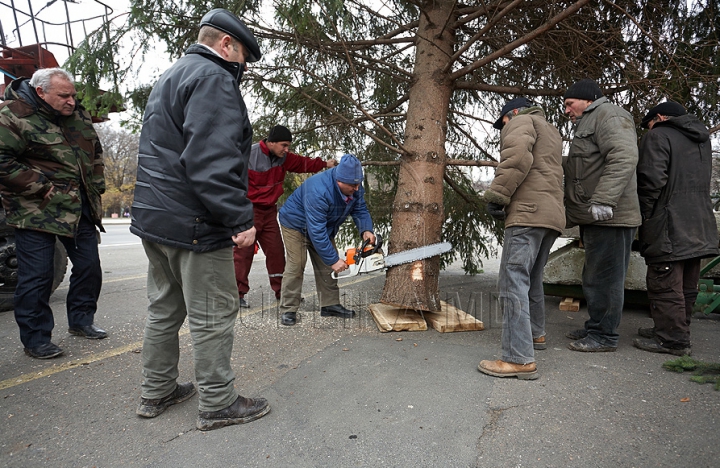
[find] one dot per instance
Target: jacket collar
(232, 67)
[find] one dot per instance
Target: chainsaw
(368, 258)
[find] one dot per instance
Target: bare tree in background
(120, 150)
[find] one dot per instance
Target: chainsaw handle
(352, 270)
(366, 253)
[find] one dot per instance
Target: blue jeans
(36, 269)
(607, 256)
(525, 252)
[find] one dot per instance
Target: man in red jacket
(270, 160)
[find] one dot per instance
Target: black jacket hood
(688, 125)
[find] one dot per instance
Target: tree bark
(418, 213)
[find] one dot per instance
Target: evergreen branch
(521, 41)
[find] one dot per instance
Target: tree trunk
(418, 213)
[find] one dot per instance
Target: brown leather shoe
(151, 408)
(539, 343)
(242, 411)
(501, 368)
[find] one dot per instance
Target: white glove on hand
(601, 212)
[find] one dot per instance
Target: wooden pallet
(449, 319)
(570, 304)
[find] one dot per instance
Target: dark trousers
(607, 256)
(672, 289)
(267, 234)
(36, 268)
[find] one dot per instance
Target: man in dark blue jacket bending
(190, 209)
(309, 220)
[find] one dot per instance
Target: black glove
(496, 210)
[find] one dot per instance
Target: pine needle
(703, 372)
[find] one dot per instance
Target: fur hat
(349, 171)
(279, 133)
(585, 89)
(223, 20)
(669, 108)
(516, 103)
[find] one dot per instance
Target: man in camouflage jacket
(51, 179)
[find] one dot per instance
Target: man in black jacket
(190, 209)
(679, 226)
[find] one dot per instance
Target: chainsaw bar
(418, 253)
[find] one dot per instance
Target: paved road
(344, 394)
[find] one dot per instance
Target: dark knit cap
(221, 19)
(279, 133)
(349, 171)
(585, 89)
(669, 108)
(516, 103)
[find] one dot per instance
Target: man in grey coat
(190, 209)
(679, 226)
(527, 193)
(601, 198)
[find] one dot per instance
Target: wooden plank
(452, 319)
(392, 318)
(570, 304)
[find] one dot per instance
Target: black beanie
(585, 89)
(279, 133)
(669, 108)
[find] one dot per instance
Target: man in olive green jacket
(51, 178)
(601, 197)
(527, 193)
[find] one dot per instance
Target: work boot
(647, 332)
(242, 411)
(588, 345)
(336, 311)
(577, 334)
(44, 351)
(501, 368)
(91, 332)
(655, 346)
(288, 318)
(149, 408)
(539, 343)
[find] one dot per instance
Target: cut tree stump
(570, 304)
(449, 319)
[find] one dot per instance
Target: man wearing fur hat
(674, 175)
(270, 160)
(601, 198)
(310, 220)
(527, 193)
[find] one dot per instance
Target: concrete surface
(343, 394)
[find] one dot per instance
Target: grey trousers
(202, 287)
(297, 248)
(525, 252)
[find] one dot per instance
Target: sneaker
(501, 368)
(149, 408)
(242, 411)
(647, 332)
(577, 334)
(588, 345)
(655, 347)
(44, 351)
(243, 303)
(539, 343)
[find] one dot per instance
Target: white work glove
(601, 212)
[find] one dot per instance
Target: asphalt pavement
(343, 394)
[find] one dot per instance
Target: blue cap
(516, 103)
(349, 171)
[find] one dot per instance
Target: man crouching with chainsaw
(309, 220)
